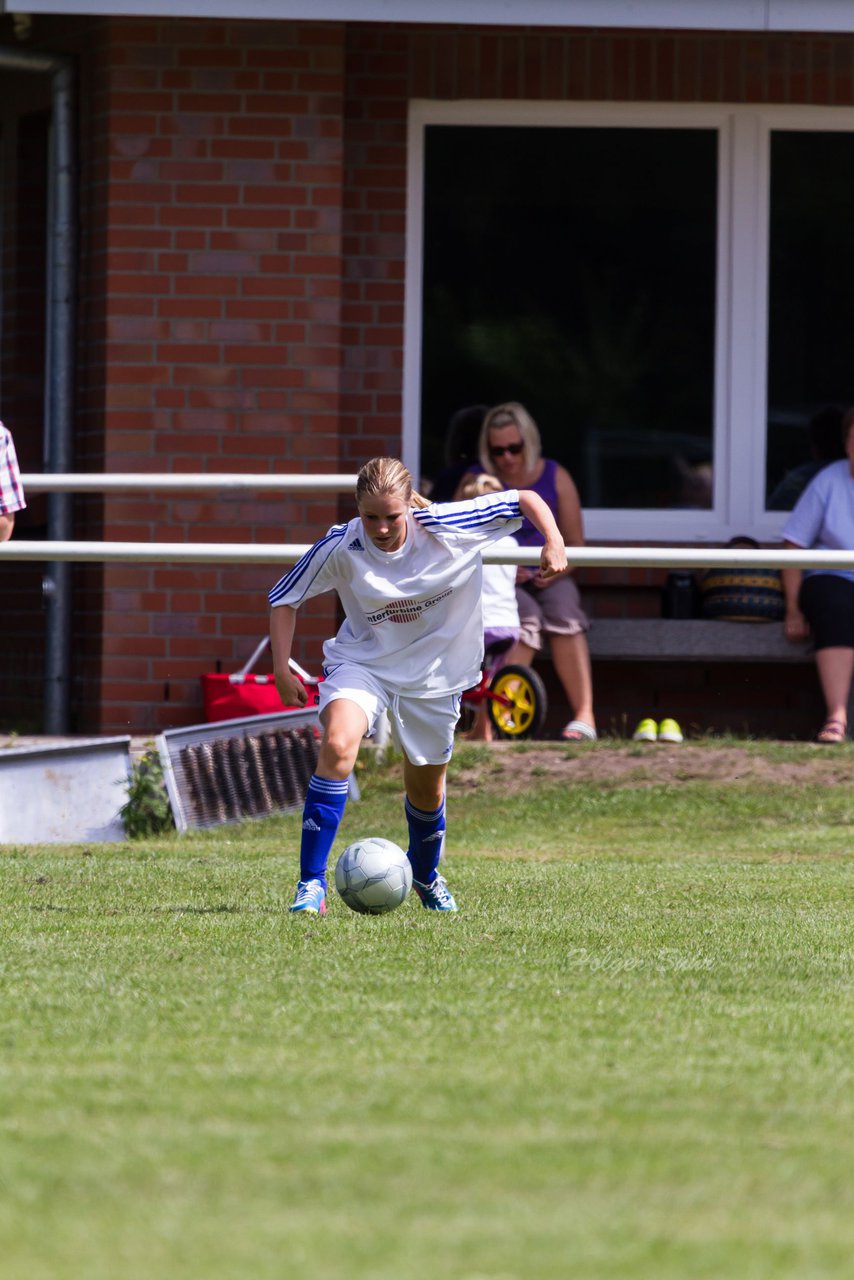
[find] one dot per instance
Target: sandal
(832, 732)
(579, 731)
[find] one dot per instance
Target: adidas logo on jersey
(355, 545)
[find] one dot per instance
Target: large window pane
(574, 269)
(810, 317)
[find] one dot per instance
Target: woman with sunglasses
(511, 449)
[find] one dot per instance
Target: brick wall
(214, 266)
(375, 126)
(640, 66)
(23, 148)
(243, 195)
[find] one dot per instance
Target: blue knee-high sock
(321, 817)
(426, 841)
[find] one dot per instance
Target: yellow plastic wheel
(518, 707)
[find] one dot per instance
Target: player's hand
(552, 561)
(291, 690)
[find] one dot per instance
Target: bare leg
(344, 726)
(481, 730)
(835, 671)
(424, 784)
(571, 659)
(520, 653)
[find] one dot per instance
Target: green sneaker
(669, 731)
(647, 731)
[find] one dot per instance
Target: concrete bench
(692, 640)
(710, 675)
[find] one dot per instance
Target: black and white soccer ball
(373, 875)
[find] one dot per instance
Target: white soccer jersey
(413, 616)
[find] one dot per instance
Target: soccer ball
(373, 875)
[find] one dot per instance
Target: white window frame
(741, 344)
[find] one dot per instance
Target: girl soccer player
(408, 574)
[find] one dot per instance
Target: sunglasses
(497, 450)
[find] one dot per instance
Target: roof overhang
(685, 15)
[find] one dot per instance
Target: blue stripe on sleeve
(312, 562)
(465, 515)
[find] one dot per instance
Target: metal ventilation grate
(237, 769)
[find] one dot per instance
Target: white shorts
(423, 728)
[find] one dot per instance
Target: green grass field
(629, 1056)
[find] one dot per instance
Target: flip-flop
(579, 731)
(832, 732)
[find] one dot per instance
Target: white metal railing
(127, 481)
(289, 553)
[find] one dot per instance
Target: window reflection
(574, 269)
(810, 327)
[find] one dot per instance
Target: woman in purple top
(511, 449)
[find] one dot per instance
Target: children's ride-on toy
(514, 697)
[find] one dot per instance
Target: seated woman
(511, 449)
(821, 601)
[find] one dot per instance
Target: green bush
(147, 811)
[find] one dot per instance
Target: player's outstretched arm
(553, 555)
(283, 621)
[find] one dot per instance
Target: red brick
(213, 104)
(134, 215)
(258, 217)
(196, 215)
(221, 57)
(188, 352)
(189, 308)
(150, 238)
(188, 240)
(202, 286)
(249, 241)
(168, 398)
(275, 286)
(244, 148)
(252, 126)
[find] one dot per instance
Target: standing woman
(511, 449)
(408, 575)
(821, 601)
(11, 490)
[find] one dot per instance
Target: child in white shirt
(498, 599)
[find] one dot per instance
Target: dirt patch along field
(507, 766)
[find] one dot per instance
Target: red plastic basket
(230, 697)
